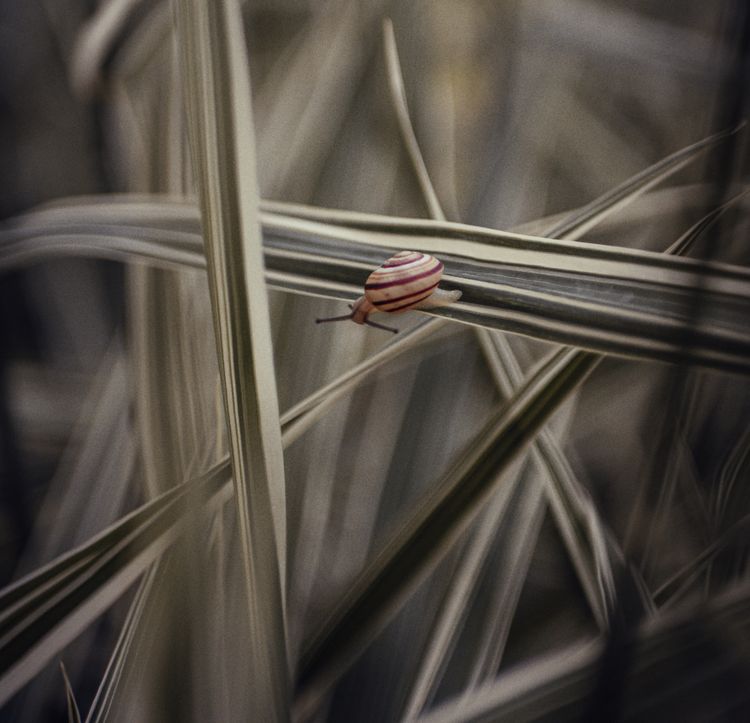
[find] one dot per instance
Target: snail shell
(408, 280)
(403, 282)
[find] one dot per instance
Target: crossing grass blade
(685, 243)
(398, 99)
(671, 592)
(217, 88)
(585, 218)
(519, 541)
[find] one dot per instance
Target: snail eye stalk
(345, 317)
(380, 326)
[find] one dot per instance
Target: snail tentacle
(344, 317)
(381, 326)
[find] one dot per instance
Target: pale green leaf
(217, 89)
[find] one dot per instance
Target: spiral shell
(403, 281)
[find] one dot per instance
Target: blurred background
(523, 110)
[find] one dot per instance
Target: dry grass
(530, 505)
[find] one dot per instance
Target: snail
(408, 280)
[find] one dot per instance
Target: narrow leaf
(607, 299)
(520, 542)
(217, 89)
(586, 217)
(398, 98)
(74, 715)
(684, 244)
(574, 512)
(671, 592)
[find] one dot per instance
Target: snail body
(408, 280)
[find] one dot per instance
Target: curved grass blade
(398, 98)
(684, 244)
(95, 42)
(519, 542)
(574, 512)
(217, 89)
(305, 98)
(640, 310)
(586, 217)
(570, 226)
(96, 463)
(539, 679)
(730, 475)
(40, 583)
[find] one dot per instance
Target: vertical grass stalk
(220, 125)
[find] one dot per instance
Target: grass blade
(398, 99)
(670, 592)
(524, 530)
(606, 299)
(44, 611)
(574, 512)
(520, 542)
(299, 418)
(74, 716)
(523, 537)
(559, 686)
(730, 475)
(586, 217)
(684, 244)
(386, 580)
(217, 88)
(434, 526)
(109, 683)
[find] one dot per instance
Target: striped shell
(403, 281)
